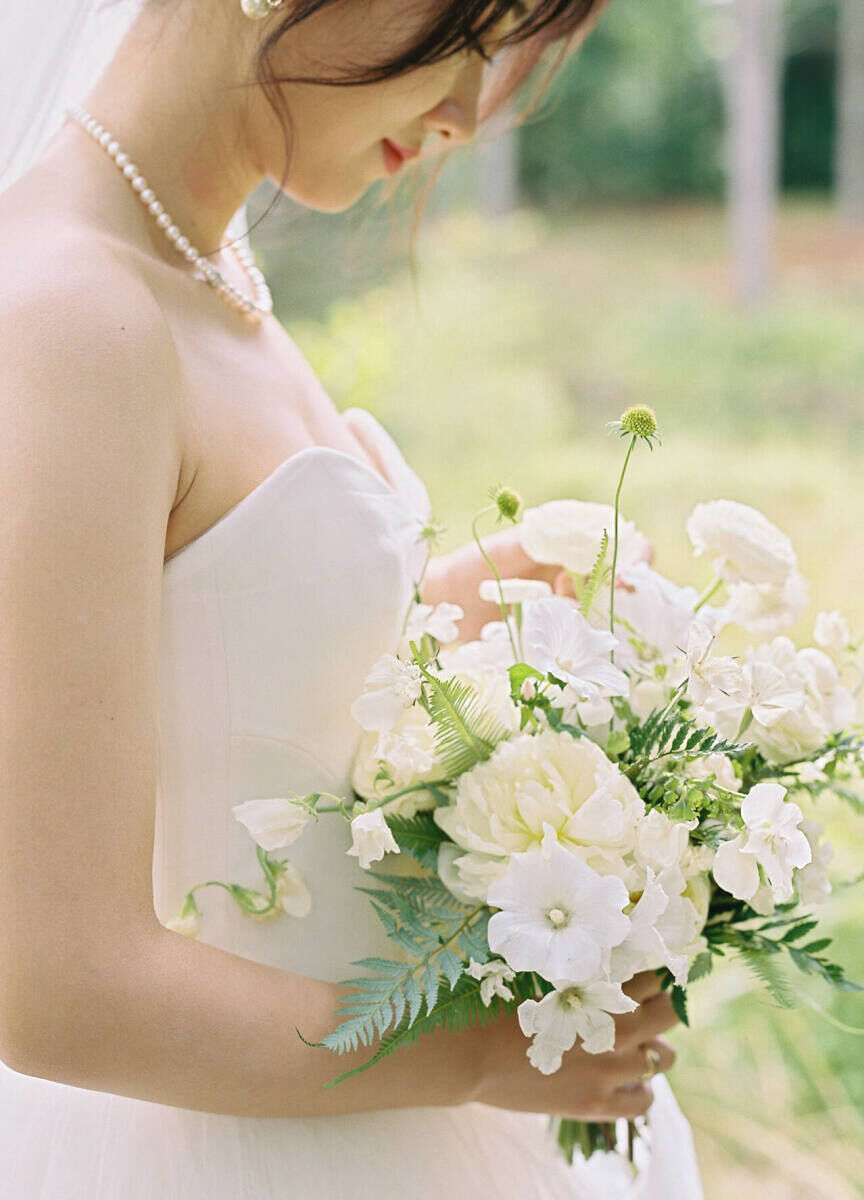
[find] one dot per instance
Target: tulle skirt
(63, 1143)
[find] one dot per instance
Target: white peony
(558, 917)
(493, 976)
(557, 639)
(569, 1012)
(502, 805)
(771, 840)
(745, 545)
(568, 533)
(371, 838)
(516, 591)
(273, 821)
(389, 688)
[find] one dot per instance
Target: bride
(200, 560)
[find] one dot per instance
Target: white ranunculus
(831, 633)
(745, 546)
(502, 805)
(516, 591)
(292, 894)
(409, 755)
(273, 821)
(557, 639)
(558, 916)
(568, 533)
(371, 838)
(569, 1012)
(771, 839)
(811, 881)
(766, 609)
(493, 976)
(390, 687)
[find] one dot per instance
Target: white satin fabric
(270, 621)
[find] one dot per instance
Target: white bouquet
(590, 790)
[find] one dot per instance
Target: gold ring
(652, 1061)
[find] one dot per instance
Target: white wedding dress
(271, 619)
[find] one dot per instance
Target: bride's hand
(455, 577)
(587, 1087)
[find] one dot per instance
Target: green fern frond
(769, 973)
(595, 576)
(465, 732)
(418, 836)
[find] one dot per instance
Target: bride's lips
(395, 155)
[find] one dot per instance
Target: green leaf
(679, 1003)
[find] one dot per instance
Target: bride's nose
(455, 117)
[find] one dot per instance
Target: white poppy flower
(745, 545)
(516, 591)
(503, 805)
(494, 976)
(273, 821)
(558, 916)
(292, 894)
(771, 840)
(569, 1012)
(558, 639)
(766, 609)
(371, 838)
(389, 688)
(568, 533)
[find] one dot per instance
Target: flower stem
(493, 569)
(615, 542)
(710, 591)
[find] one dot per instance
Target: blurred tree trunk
(498, 174)
(752, 79)
(850, 110)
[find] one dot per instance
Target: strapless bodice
(270, 621)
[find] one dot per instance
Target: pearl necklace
(253, 310)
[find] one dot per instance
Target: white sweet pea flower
(390, 687)
(494, 976)
(516, 591)
(718, 766)
(745, 545)
(273, 821)
(771, 840)
(717, 683)
(557, 916)
(371, 838)
(811, 881)
(831, 633)
(292, 894)
(189, 926)
(503, 805)
(645, 948)
(766, 609)
(440, 622)
(568, 533)
(409, 755)
(569, 1012)
(557, 639)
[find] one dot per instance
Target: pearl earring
(256, 9)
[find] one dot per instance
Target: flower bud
(639, 420)
(508, 501)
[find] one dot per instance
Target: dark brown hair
(453, 26)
